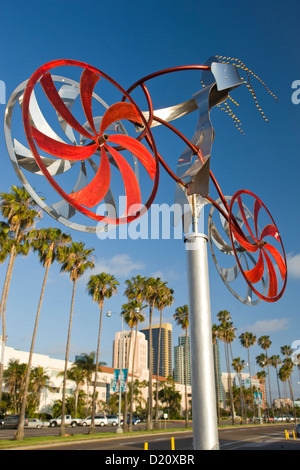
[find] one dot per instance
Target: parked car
(100, 420)
(135, 420)
(37, 423)
(12, 421)
(69, 421)
(112, 420)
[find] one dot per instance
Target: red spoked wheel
(101, 141)
(259, 236)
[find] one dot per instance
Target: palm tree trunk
(157, 372)
(3, 311)
(270, 393)
(63, 407)
(125, 424)
(185, 380)
(150, 398)
(20, 431)
(251, 386)
(92, 429)
(229, 382)
(131, 385)
(217, 382)
(292, 397)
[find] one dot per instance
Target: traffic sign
(116, 380)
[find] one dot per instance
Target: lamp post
(136, 310)
(119, 427)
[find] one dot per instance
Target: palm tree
(135, 289)
(75, 259)
(283, 375)
(21, 213)
(298, 364)
(38, 381)
(262, 381)
(12, 379)
(165, 299)
(265, 342)
(171, 397)
(247, 340)
(262, 361)
(132, 313)
(288, 367)
(100, 287)
(143, 289)
(152, 292)
(238, 365)
(275, 361)
(77, 375)
(226, 333)
(5, 241)
(181, 317)
(46, 242)
(86, 363)
(214, 342)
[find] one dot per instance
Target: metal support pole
(203, 381)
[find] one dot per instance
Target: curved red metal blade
(132, 189)
(60, 149)
(242, 211)
(56, 101)
(255, 274)
(119, 111)
(88, 81)
(97, 189)
(278, 258)
(244, 242)
(256, 209)
(138, 149)
(270, 230)
(273, 287)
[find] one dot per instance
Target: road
(271, 437)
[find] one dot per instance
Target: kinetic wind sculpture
(243, 239)
(96, 149)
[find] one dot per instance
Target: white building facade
(54, 368)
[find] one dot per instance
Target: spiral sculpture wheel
(104, 142)
(101, 144)
(262, 240)
(223, 254)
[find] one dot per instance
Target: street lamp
(119, 428)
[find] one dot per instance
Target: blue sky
(129, 40)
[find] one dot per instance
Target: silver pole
(205, 430)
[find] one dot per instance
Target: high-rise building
(182, 360)
(218, 374)
(166, 349)
(140, 352)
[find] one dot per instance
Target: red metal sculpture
(257, 240)
(110, 147)
(95, 191)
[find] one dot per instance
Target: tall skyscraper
(218, 374)
(141, 351)
(166, 349)
(182, 362)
